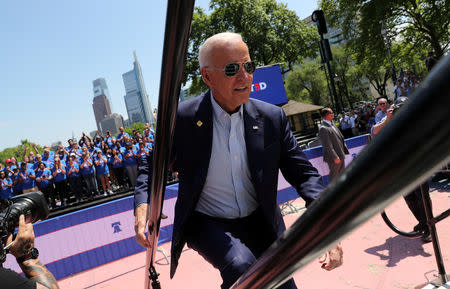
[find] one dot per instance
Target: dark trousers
(62, 189)
(415, 204)
(231, 246)
(335, 169)
(120, 176)
(76, 186)
(49, 193)
(90, 184)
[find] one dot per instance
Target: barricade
(88, 238)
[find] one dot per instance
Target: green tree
(18, 151)
(139, 126)
(273, 33)
(308, 84)
(421, 23)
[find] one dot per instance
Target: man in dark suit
(228, 150)
(334, 147)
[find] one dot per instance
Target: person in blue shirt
(116, 161)
(122, 136)
(130, 163)
(87, 171)
(102, 170)
(47, 158)
(74, 177)
(27, 178)
(60, 179)
(17, 184)
(110, 140)
(44, 179)
(142, 152)
(6, 185)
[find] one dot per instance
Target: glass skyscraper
(136, 98)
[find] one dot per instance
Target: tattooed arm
(32, 268)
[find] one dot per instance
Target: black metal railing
(178, 21)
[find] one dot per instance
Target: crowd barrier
(88, 238)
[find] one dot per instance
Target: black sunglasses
(232, 68)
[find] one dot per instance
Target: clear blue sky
(52, 51)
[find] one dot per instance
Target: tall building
(111, 123)
(100, 103)
(136, 98)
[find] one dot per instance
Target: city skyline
(55, 49)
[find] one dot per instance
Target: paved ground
(374, 257)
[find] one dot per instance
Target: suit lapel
(254, 141)
(203, 134)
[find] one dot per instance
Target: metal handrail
(178, 21)
(404, 154)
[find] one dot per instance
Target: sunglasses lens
(250, 67)
(231, 69)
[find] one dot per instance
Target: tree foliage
(273, 33)
(308, 84)
(19, 150)
(138, 126)
(423, 24)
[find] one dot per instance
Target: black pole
(434, 237)
(178, 23)
(415, 144)
(338, 107)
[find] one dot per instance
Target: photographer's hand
(32, 268)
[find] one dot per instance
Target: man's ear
(205, 76)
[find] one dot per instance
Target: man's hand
(24, 240)
(139, 225)
(333, 258)
(337, 160)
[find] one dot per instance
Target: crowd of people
(360, 120)
(82, 170)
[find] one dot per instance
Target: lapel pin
(199, 123)
(255, 127)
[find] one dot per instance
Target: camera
(32, 205)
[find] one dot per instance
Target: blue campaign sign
(268, 85)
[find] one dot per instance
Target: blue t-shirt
(27, 181)
(18, 185)
(122, 142)
(58, 175)
(143, 154)
(110, 141)
(102, 167)
(116, 162)
(128, 157)
(48, 161)
(73, 170)
(43, 178)
(87, 167)
(6, 190)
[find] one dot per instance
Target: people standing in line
(333, 143)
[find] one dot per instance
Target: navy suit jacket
(270, 147)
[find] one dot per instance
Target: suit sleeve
(328, 149)
(143, 182)
(295, 166)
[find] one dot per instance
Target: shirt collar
(219, 112)
(327, 121)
